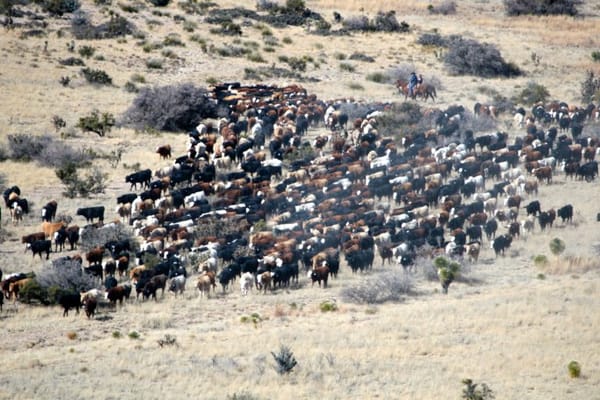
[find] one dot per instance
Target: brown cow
(320, 274)
(164, 151)
(50, 228)
(542, 173)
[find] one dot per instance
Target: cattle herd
(258, 200)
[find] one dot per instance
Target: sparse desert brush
(284, 360)
(347, 67)
(154, 63)
(447, 7)
(382, 287)
(96, 76)
(541, 7)
(133, 335)
(328, 305)
(72, 335)
(99, 123)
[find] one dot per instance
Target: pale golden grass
(504, 327)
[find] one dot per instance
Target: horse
(424, 90)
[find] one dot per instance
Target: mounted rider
(412, 84)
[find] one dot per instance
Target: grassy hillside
(507, 323)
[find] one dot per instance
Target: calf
(177, 284)
(246, 282)
(320, 274)
(155, 283)
(89, 305)
(204, 284)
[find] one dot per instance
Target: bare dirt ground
(509, 324)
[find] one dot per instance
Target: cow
(50, 228)
(41, 246)
(118, 293)
(263, 281)
(49, 211)
(501, 243)
(89, 305)
(246, 282)
(514, 229)
(16, 214)
(177, 284)
(320, 274)
(95, 255)
(472, 250)
(533, 208)
(542, 173)
(204, 285)
(68, 301)
(60, 237)
(142, 177)
(32, 237)
(164, 151)
(566, 213)
(546, 218)
(73, 236)
(155, 283)
(91, 213)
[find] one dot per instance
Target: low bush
(533, 93)
(447, 7)
(96, 76)
(170, 108)
(26, 147)
(469, 57)
(116, 26)
(71, 61)
(542, 7)
(389, 286)
(472, 392)
(432, 39)
(62, 276)
(361, 57)
(159, 3)
(154, 63)
(378, 77)
(574, 369)
(86, 51)
(383, 22)
(95, 181)
(98, 123)
(60, 7)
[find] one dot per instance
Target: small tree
(557, 247)
(447, 271)
(97, 123)
(285, 360)
(472, 392)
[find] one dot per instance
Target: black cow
(490, 229)
(41, 246)
(60, 237)
(90, 213)
(49, 211)
(141, 177)
(546, 218)
(73, 236)
(501, 243)
(566, 213)
(588, 171)
(68, 301)
(533, 208)
(126, 198)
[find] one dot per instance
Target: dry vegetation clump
(117, 26)
(542, 7)
(382, 287)
(169, 108)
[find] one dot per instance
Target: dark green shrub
(58, 122)
(32, 291)
(378, 77)
(228, 29)
(574, 369)
(130, 87)
(98, 123)
(86, 51)
(596, 56)
(170, 108)
(94, 182)
(96, 76)
(533, 93)
(173, 40)
(154, 63)
(383, 22)
(285, 360)
(347, 67)
(72, 61)
(469, 57)
(472, 392)
(361, 57)
(541, 7)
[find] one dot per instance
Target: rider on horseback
(412, 83)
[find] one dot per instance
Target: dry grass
(502, 326)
